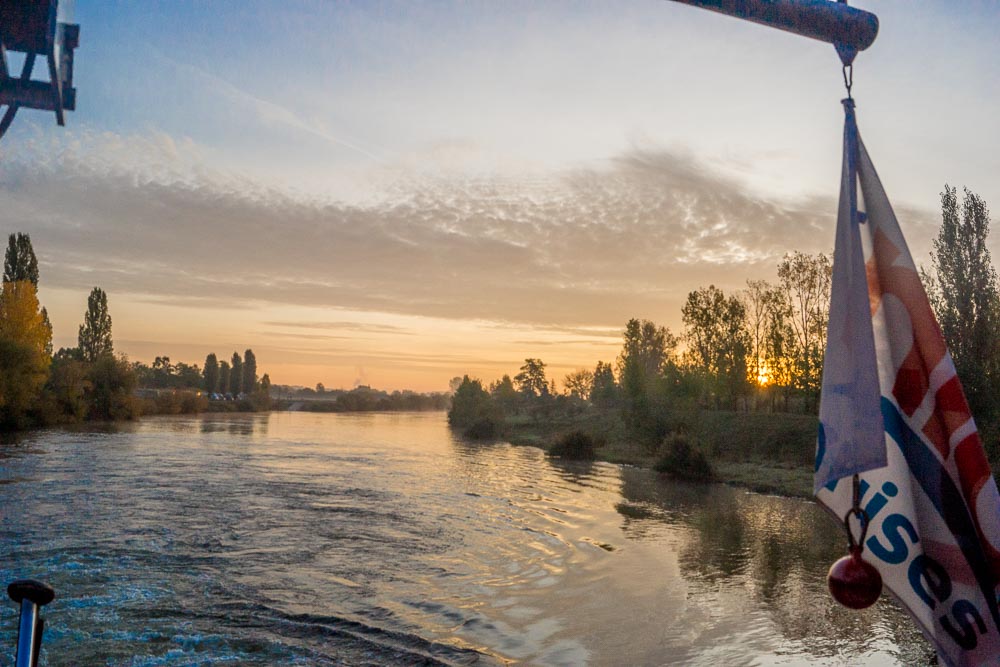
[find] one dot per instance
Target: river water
(374, 539)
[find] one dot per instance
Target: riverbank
(768, 453)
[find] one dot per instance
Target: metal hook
(857, 511)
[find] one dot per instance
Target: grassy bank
(771, 453)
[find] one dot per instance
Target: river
(382, 539)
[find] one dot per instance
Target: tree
(162, 372)
(24, 343)
(211, 373)
(112, 382)
(223, 377)
(504, 394)
(779, 347)
(249, 372)
(646, 350)
(68, 385)
(187, 375)
(21, 319)
(531, 380)
(966, 299)
(320, 388)
(19, 265)
(604, 390)
(22, 376)
(579, 383)
(95, 332)
(236, 375)
(758, 301)
(702, 314)
(806, 280)
(19, 261)
(473, 409)
(48, 329)
(261, 396)
(718, 341)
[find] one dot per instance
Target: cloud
(267, 112)
(587, 248)
(364, 327)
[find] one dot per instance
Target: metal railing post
(32, 596)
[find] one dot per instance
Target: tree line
(757, 349)
(359, 399)
(237, 379)
(38, 387)
(88, 381)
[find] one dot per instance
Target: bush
(575, 445)
(684, 461)
(193, 403)
(484, 428)
(168, 403)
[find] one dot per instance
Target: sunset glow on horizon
(394, 194)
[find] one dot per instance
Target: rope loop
(849, 79)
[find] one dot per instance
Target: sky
(396, 193)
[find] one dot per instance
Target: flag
(893, 412)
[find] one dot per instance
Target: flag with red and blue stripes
(893, 412)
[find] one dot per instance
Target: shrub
(575, 445)
(192, 403)
(682, 460)
(484, 428)
(168, 403)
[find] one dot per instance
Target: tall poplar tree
(236, 375)
(19, 262)
(249, 372)
(94, 335)
(211, 373)
(223, 377)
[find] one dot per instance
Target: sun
(763, 374)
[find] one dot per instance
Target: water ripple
(309, 539)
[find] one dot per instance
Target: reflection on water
(297, 538)
(769, 554)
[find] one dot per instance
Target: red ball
(854, 582)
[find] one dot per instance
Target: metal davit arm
(33, 27)
(827, 21)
